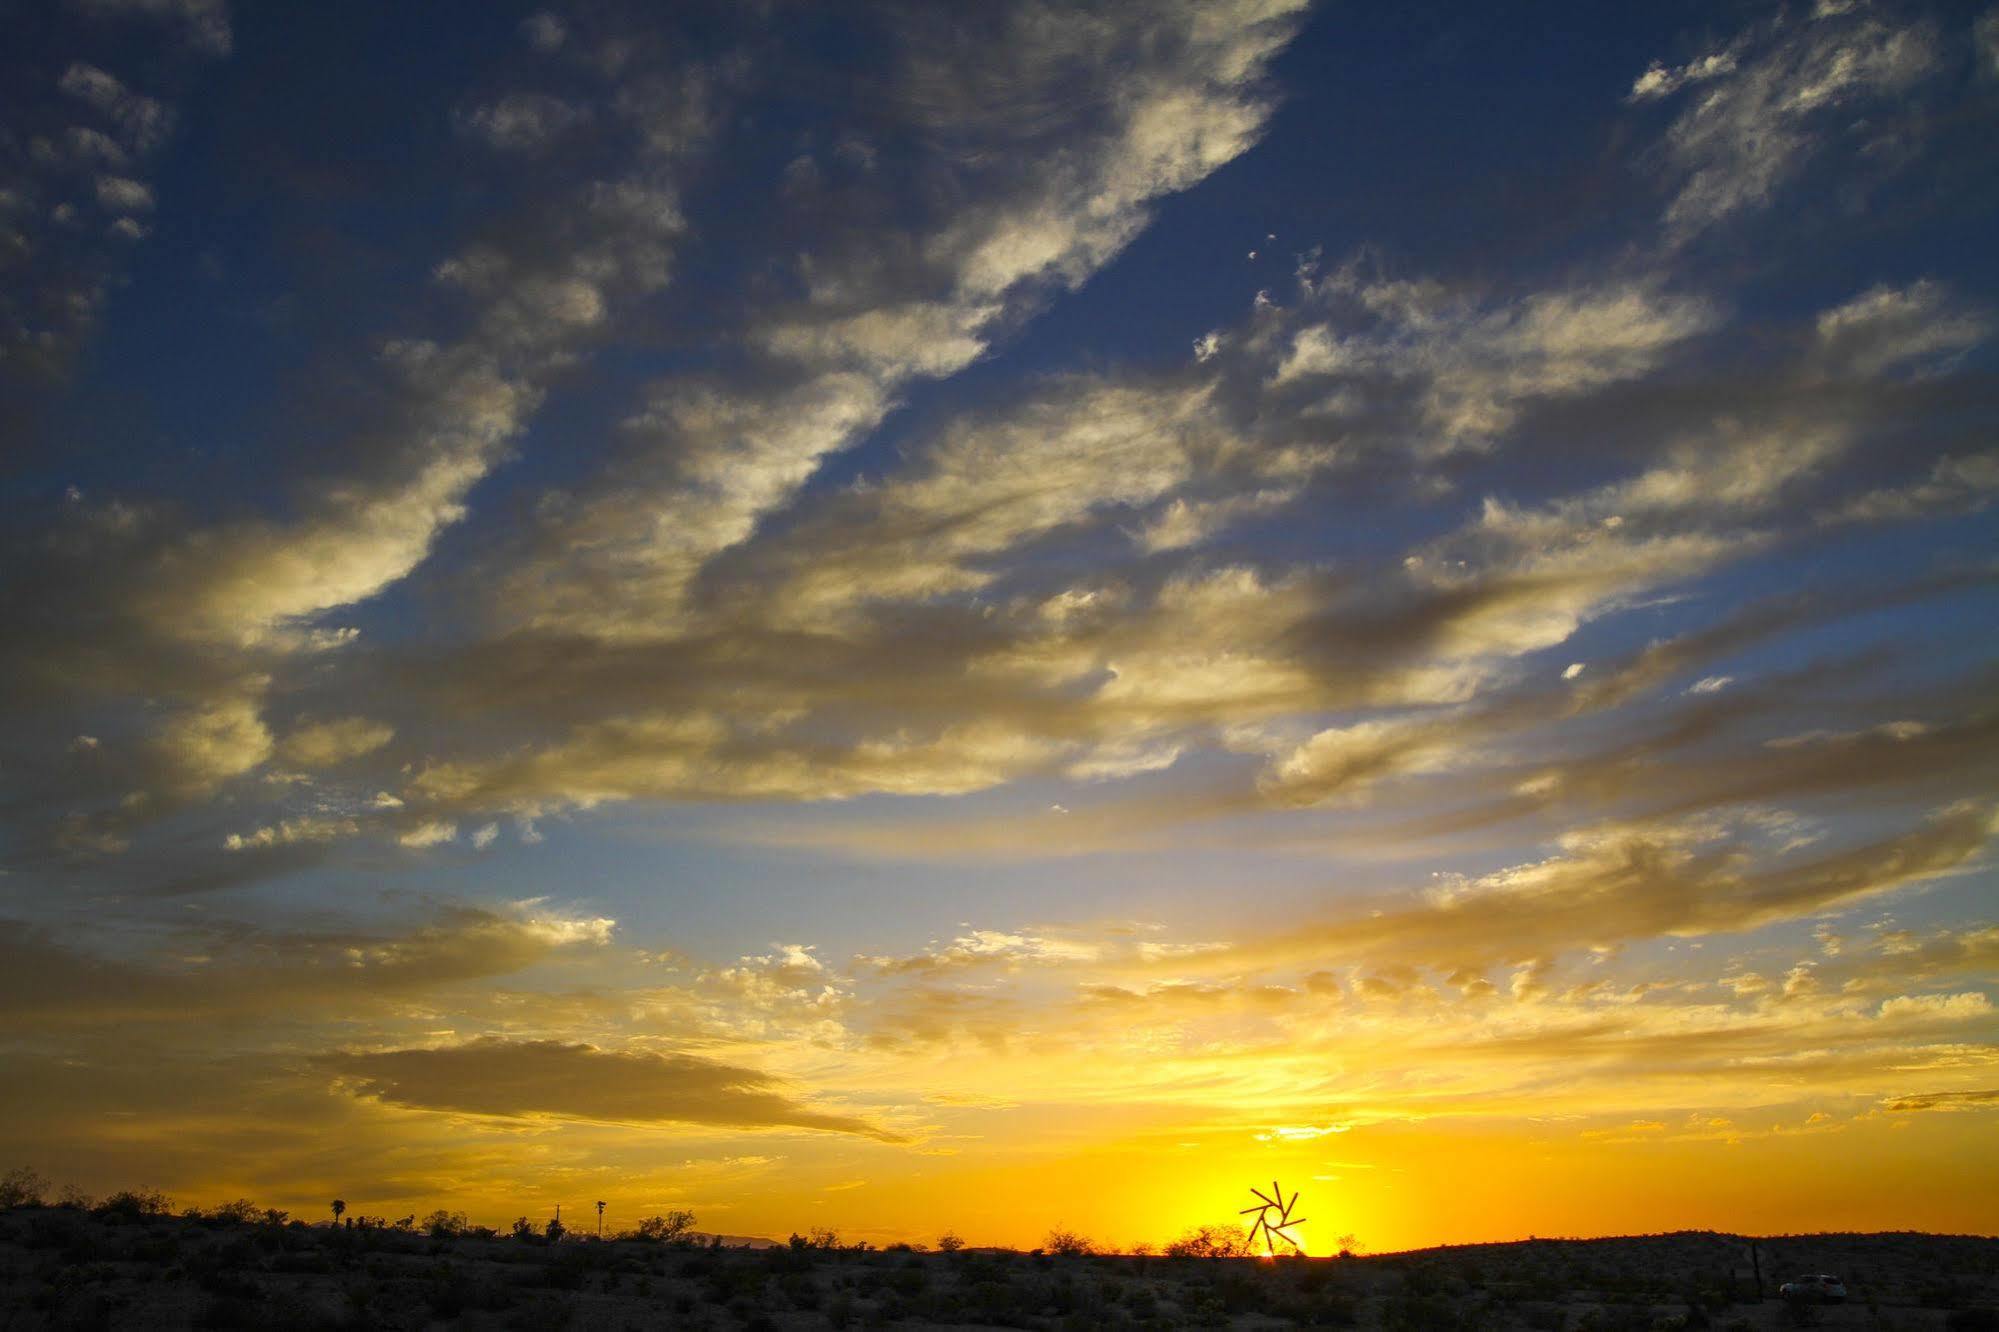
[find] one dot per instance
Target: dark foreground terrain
(67, 1268)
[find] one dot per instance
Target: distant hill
(734, 1241)
(64, 1267)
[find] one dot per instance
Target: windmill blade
(1258, 1210)
(1266, 1201)
(1293, 1203)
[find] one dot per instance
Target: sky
(904, 617)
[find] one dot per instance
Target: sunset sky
(988, 616)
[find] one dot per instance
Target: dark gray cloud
(493, 1076)
(248, 975)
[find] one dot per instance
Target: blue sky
(822, 540)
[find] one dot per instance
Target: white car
(1821, 1288)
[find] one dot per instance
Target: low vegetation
(132, 1260)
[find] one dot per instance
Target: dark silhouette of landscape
(134, 1260)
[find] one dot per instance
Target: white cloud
(204, 23)
(523, 122)
(291, 832)
(324, 744)
(204, 745)
(1758, 121)
(142, 121)
(1936, 1007)
(544, 31)
(1662, 81)
(1887, 328)
(433, 833)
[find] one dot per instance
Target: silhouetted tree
(523, 1228)
(949, 1243)
(600, 1218)
(339, 1207)
(22, 1187)
(1211, 1242)
(442, 1224)
(666, 1228)
(1068, 1243)
(554, 1230)
(131, 1204)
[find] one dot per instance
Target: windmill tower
(1273, 1205)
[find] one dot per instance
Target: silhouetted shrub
(443, 1224)
(22, 1187)
(1068, 1244)
(1424, 1313)
(1211, 1242)
(668, 1228)
(134, 1204)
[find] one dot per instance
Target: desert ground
(73, 1268)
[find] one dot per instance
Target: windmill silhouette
(1269, 1204)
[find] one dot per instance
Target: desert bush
(22, 1187)
(1424, 1313)
(238, 1213)
(948, 1242)
(232, 1310)
(1616, 1320)
(1068, 1244)
(665, 1229)
(562, 1276)
(1211, 1242)
(134, 1204)
(1318, 1310)
(445, 1224)
(538, 1315)
(800, 1289)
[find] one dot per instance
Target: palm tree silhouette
(600, 1218)
(339, 1206)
